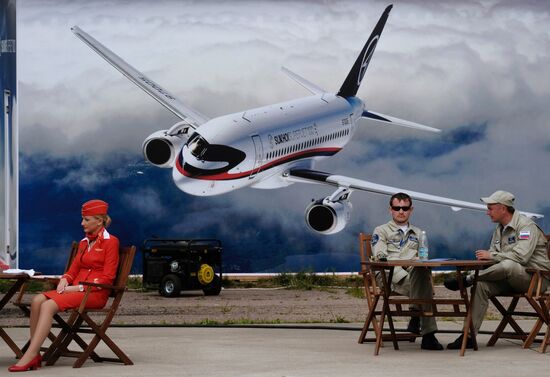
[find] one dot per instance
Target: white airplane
(272, 146)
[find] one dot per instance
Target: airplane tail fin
(353, 81)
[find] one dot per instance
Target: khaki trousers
(504, 277)
(417, 285)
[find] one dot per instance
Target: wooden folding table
(18, 280)
(401, 304)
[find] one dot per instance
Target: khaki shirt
(389, 241)
(521, 241)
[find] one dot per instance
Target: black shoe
(457, 344)
(452, 283)
(430, 342)
(414, 325)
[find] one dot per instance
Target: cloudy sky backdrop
(479, 70)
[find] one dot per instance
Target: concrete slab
(266, 352)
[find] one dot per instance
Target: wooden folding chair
(70, 332)
(544, 317)
(373, 294)
(25, 306)
(540, 303)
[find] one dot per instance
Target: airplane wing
(187, 114)
(313, 176)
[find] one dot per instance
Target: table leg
(16, 350)
(388, 312)
(7, 297)
(468, 322)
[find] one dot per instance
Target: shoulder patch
(413, 238)
(374, 239)
(524, 235)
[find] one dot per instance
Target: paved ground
(261, 352)
(331, 350)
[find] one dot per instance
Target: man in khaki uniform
(397, 239)
(517, 243)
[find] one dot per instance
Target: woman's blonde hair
(106, 219)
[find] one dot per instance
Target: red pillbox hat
(94, 207)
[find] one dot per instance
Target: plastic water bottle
(423, 249)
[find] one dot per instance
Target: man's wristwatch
(80, 288)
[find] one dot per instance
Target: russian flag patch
(524, 235)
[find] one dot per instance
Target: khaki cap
(500, 197)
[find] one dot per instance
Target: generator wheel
(170, 286)
(214, 288)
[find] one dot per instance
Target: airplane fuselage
(255, 147)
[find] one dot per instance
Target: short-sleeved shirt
(389, 241)
(521, 241)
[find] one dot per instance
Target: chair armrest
(104, 286)
(537, 271)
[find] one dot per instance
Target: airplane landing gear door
(258, 153)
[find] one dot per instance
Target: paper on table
(18, 271)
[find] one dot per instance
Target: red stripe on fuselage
(291, 157)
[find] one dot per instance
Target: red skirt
(72, 300)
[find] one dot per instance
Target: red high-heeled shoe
(34, 364)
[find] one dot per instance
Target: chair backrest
(126, 258)
(365, 250)
(72, 255)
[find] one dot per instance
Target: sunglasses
(397, 208)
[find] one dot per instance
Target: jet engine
(161, 147)
(331, 214)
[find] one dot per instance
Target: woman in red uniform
(96, 261)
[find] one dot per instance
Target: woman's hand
(62, 286)
(72, 288)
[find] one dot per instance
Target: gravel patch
(238, 306)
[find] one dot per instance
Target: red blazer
(97, 265)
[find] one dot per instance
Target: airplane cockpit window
(197, 145)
